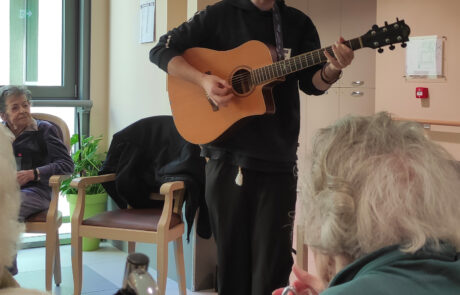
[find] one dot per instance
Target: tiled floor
(102, 271)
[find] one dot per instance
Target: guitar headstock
(387, 35)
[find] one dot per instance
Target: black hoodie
(266, 142)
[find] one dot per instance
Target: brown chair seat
(41, 216)
(139, 219)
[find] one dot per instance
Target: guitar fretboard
(302, 61)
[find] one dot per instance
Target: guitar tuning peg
(380, 50)
(375, 27)
(392, 47)
(403, 45)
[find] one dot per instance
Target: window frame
(80, 89)
(70, 60)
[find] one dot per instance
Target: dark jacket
(42, 149)
(389, 271)
(148, 153)
(267, 142)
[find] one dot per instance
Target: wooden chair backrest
(58, 122)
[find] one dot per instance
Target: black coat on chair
(148, 153)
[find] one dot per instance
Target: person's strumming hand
(217, 89)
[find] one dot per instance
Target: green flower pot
(94, 204)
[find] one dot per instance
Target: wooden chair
(301, 248)
(158, 226)
(49, 221)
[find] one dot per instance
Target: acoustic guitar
(251, 72)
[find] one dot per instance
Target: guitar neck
(297, 63)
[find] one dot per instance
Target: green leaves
(87, 162)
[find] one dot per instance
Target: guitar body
(194, 116)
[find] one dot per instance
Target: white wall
(137, 88)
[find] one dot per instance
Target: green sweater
(389, 271)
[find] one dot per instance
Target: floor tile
(102, 271)
(92, 281)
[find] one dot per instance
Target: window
(40, 46)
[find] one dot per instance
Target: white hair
(9, 202)
(376, 182)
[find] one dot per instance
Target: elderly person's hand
(304, 283)
(25, 176)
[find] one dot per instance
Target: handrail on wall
(430, 122)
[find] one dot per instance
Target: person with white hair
(380, 208)
(9, 208)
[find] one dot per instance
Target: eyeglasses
(289, 290)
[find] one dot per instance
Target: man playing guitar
(251, 180)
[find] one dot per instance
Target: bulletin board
(425, 57)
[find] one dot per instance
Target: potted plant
(88, 161)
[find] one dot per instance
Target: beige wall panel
(356, 101)
(397, 95)
(99, 80)
(358, 16)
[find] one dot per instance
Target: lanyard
(278, 32)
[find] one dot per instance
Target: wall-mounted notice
(147, 21)
(424, 57)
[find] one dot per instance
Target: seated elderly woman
(39, 151)
(11, 228)
(380, 208)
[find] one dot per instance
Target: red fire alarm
(421, 92)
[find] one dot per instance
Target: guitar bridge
(214, 106)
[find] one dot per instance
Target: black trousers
(252, 225)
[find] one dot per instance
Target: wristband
(36, 175)
(323, 75)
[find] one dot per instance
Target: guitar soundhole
(241, 81)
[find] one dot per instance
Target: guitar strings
(270, 72)
(295, 62)
(264, 74)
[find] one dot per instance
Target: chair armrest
(83, 182)
(55, 183)
(57, 179)
(168, 189)
(176, 188)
